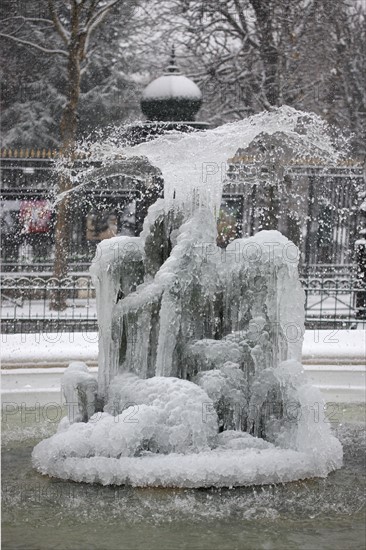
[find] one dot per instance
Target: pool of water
(43, 513)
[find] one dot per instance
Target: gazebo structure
(173, 98)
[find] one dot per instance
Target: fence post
(360, 246)
(309, 244)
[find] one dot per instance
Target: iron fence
(328, 271)
(333, 303)
(26, 303)
(332, 300)
(28, 266)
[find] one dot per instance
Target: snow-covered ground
(58, 349)
(48, 349)
(80, 308)
(334, 346)
(32, 364)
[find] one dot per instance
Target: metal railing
(29, 267)
(26, 303)
(335, 296)
(332, 301)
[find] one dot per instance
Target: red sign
(35, 216)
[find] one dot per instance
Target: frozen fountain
(200, 380)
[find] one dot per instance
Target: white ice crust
(164, 431)
(173, 441)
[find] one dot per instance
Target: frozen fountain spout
(197, 307)
(199, 374)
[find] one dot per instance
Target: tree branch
(33, 19)
(57, 23)
(92, 7)
(99, 16)
(94, 21)
(27, 43)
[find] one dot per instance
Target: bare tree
(64, 30)
(349, 73)
(246, 50)
(250, 55)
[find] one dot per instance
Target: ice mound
(227, 387)
(164, 431)
(112, 450)
(177, 406)
(157, 415)
(80, 391)
(199, 376)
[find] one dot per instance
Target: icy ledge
(168, 437)
(222, 467)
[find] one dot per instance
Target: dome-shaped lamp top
(171, 97)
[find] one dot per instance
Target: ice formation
(199, 381)
(80, 390)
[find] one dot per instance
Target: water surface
(43, 513)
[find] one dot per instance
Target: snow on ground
(334, 344)
(49, 348)
(80, 308)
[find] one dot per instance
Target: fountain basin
(27, 390)
(224, 327)
(47, 512)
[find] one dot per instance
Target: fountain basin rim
(217, 468)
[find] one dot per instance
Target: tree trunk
(268, 50)
(68, 127)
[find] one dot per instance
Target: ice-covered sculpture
(200, 381)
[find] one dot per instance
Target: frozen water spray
(200, 380)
